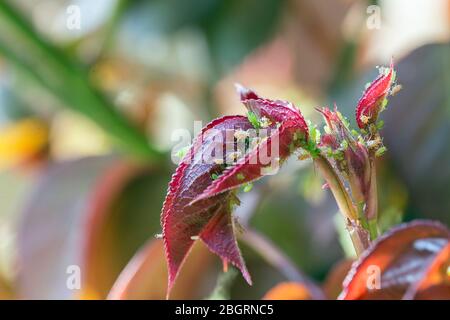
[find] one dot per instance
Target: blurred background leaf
(122, 217)
(398, 261)
(63, 77)
(5, 290)
(50, 231)
(417, 127)
(145, 276)
(232, 28)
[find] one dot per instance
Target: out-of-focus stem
(223, 285)
(278, 260)
(344, 202)
(359, 237)
(272, 254)
(373, 229)
(336, 186)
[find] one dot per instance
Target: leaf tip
(245, 93)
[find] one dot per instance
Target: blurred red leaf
(145, 275)
(405, 256)
(417, 126)
(50, 232)
(87, 214)
(99, 268)
(333, 282)
(116, 224)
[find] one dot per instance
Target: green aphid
(384, 104)
(344, 145)
(329, 152)
(292, 147)
(214, 176)
(355, 133)
(182, 152)
(380, 151)
(240, 176)
(315, 135)
(248, 187)
(380, 124)
(394, 75)
(312, 148)
(362, 141)
(298, 136)
(338, 155)
(233, 200)
(343, 119)
(253, 119)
